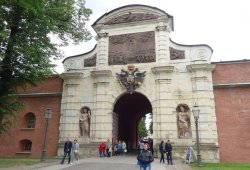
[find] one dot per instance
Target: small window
(25, 145)
(30, 120)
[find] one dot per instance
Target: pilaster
(162, 119)
(202, 88)
(101, 123)
(102, 51)
(69, 122)
(162, 44)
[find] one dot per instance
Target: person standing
(145, 158)
(151, 146)
(162, 151)
(124, 148)
(67, 150)
(119, 147)
(75, 149)
(102, 149)
(141, 145)
(108, 148)
(168, 148)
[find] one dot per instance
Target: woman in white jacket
(75, 151)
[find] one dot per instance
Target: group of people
(71, 149)
(107, 149)
(166, 148)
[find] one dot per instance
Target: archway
(128, 110)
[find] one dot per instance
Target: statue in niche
(183, 121)
(84, 121)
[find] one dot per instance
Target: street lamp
(196, 112)
(48, 115)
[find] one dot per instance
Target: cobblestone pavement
(96, 163)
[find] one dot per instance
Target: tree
(143, 132)
(26, 28)
(151, 124)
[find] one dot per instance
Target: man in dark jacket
(67, 150)
(168, 148)
(145, 158)
(162, 151)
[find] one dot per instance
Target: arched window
(30, 120)
(25, 145)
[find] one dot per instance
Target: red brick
(232, 107)
(37, 105)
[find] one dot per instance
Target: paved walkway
(113, 163)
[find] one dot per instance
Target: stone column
(102, 51)
(69, 121)
(101, 123)
(162, 44)
(163, 126)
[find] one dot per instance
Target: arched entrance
(128, 110)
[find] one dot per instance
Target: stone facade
(175, 74)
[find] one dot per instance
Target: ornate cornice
(101, 73)
(161, 28)
(72, 75)
(194, 67)
(161, 69)
(101, 76)
(102, 35)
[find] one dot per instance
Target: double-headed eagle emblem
(130, 79)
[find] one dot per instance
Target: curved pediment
(131, 13)
(131, 17)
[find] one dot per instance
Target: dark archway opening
(130, 108)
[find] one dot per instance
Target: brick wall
(232, 104)
(37, 104)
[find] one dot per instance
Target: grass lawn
(221, 166)
(12, 162)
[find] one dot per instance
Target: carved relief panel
(131, 17)
(176, 54)
(132, 48)
(90, 62)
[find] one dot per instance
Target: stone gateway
(107, 80)
(136, 69)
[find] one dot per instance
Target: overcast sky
(224, 25)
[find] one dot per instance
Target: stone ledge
(194, 67)
(72, 75)
(27, 129)
(24, 152)
(160, 69)
(231, 85)
(40, 94)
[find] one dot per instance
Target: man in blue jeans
(145, 158)
(168, 148)
(67, 150)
